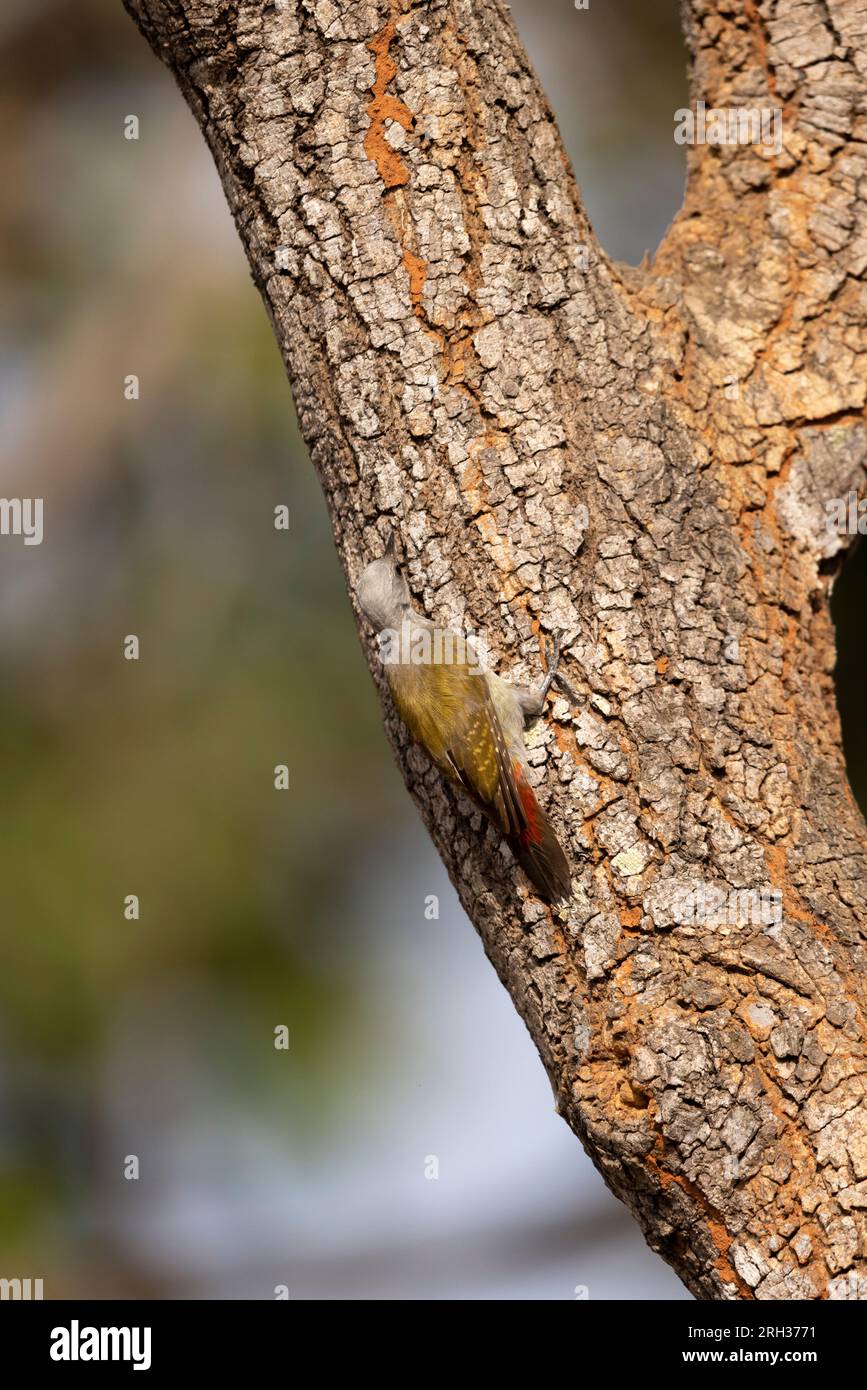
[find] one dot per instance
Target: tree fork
(644, 458)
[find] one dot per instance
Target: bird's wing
(521, 817)
(449, 709)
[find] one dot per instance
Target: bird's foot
(552, 674)
(533, 701)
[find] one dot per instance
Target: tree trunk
(643, 459)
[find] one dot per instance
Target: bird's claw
(552, 661)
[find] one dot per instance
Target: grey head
(383, 593)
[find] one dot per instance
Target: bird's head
(382, 591)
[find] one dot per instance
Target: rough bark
(638, 457)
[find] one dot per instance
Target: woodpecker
(470, 722)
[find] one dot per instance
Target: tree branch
(642, 458)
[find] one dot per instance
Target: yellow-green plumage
(469, 721)
(448, 710)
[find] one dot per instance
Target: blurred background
(154, 1038)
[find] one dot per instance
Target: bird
(469, 720)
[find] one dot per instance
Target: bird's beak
(388, 553)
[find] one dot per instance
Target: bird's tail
(537, 848)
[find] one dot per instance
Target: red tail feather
(537, 848)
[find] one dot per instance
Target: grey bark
(641, 458)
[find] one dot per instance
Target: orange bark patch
(416, 269)
(716, 1227)
(776, 862)
(384, 106)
